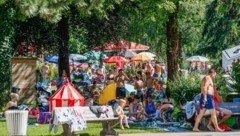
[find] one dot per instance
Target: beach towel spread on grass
(69, 115)
(170, 127)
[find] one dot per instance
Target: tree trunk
(63, 61)
(172, 44)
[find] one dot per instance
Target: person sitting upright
(150, 84)
(120, 113)
(133, 108)
(12, 104)
(141, 112)
(149, 106)
(224, 113)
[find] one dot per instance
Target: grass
(92, 130)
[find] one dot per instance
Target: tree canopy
(222, 29)
(169, 27)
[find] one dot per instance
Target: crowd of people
(149, 82)
(150, 101)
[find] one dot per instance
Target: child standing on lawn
(120, 113)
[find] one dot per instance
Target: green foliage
(77, 41)
(108, 29)
(220, 82)
(222, 29)
(52, 71)
(131, 73)
(77, 36)
(191, 22)
(37, 31)
(189, 86)
(5, 97)
(6, 41)
(236, 76)
(154, 14)
(93, 129)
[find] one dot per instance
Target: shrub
(220, 82)
(53, 71)
(5, 97)
(131, 73)
(189, 86)
(236, 76)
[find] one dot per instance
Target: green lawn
(92, 130)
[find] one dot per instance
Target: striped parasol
(197, 59)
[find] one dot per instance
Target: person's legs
(199, 117)
(209, 126)
(118, 91)
(210, 105)
(126, 121)
(120, 121)
(214, 120)
(227, 114)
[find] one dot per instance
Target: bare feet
(121, 127)
(219, 130)
(196, 130)
(210, 128)
(127, 126)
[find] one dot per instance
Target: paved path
(234, 133)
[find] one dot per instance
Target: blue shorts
(209, 104)
(150, 91)
(120, 92)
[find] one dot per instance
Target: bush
(181, 86)
(53, 71)
(132, 73)
(5, 97)
(236, 76)
(220, 82)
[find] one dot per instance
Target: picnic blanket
(171, 127)
(69, 115)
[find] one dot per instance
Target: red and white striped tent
(66, 96)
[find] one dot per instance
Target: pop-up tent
(230, 55)
(109, 93)
(66, 96)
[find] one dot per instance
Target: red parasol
(82, 65)
(115, 59)
(112, 46)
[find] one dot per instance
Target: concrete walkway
(232, 133)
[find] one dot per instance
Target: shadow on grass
(3, 120)
(138, 129)
(84, 134)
